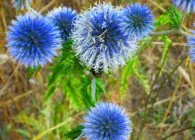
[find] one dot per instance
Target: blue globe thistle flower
(137, 20)
(63, 18)
(185, 5)
(19, 4)
(99, 42)
(107, 121)
(33, 40)
(191, 43)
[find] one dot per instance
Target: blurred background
(162, 68)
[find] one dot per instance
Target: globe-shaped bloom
(63, 18)
(19, 4)
(107, 121)
(191, 43)
(99, 42)
(185, 5)
(33, 40)
(137, 20)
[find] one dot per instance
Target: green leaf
(68, 75)
(143, 79)
(50, 92)
(29, 121)
(162, 20)
(127, 71)
(74, 133)
(172, 18)
(70, 89)
(24, 133)
(175, 17)
(31, 71)
(164, 56)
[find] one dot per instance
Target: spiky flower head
(99, 42)
(191, 43)
(185, 5)
(20, 4)
(33, 40)
(63, 18)
(137, 20)
(107, 121)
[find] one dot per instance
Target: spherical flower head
(107, 121)
(33, 40)
(63, 18)
(137, 20)
(191, 43)
(20, 4)
(185, 5)
(99, 42)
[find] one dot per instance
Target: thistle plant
(100, 39)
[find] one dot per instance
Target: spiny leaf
(172, 18)
(144, 81)
(74, 133)
(162, 20)
(69, 75)
(29, 121)
(175, 17)
(164, 56)
(127, 71)
(69, 88)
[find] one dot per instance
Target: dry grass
(173, 109)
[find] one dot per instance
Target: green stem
(182, 20)
(173, 31)
(93, 89)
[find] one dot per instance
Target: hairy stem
(93, 89)
(173, 31)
